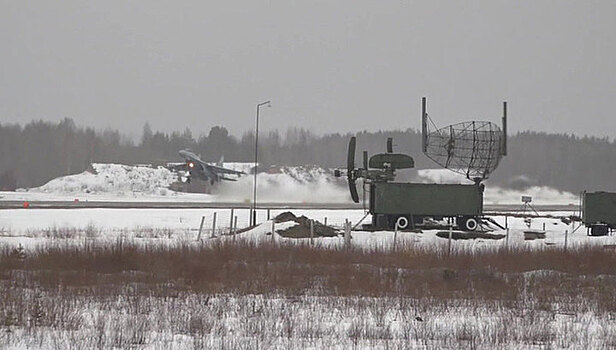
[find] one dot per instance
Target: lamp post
(253, 214)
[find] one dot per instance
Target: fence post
(200, 228)
(506, 222)
(449, 240)
(231, 223)
(325, 221)
(347, 234)
(311, 232)
(395, 234)
(566, 234)
(234, 227)
(213, 226)
(544, 227)
(273, 230)
(507, 238)
(268, 214)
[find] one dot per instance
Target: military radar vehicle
(472, 148)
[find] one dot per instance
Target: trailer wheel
(402, 222)
(599, 230)
(469, 223)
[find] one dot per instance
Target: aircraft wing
(221, 170)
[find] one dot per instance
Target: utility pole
(253, 211)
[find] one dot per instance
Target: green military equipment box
(415, 201)
(599, 211)
(428, 199)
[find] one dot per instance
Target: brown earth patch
(302, 229)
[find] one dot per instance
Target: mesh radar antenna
(472, 148)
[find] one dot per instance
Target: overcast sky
(326, 65)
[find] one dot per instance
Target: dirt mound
(302, 229)
(532, 235)
(285, 217)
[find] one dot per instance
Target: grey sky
(326, 65)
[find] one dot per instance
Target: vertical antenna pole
(424, 126)
(504, 151)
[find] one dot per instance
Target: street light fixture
(253, 212)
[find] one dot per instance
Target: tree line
(39, 151)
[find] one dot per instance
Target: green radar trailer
(471, 148)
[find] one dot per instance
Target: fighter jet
(195, 167)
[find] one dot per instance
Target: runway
(20, 204)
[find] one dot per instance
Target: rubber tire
(402, 221)
(470, 224)
(599, 230)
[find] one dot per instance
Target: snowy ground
(69, 318)
(33, 227)
(308, 320)
(189, 321)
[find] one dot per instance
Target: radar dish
(472, 148)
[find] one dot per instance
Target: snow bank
(541, 195)
(114, 178)
(499, 195)
(301, 184)
(441, 176)
(284, 184)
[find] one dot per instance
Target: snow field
(196, 321)
(140, 315)
(167, 226)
